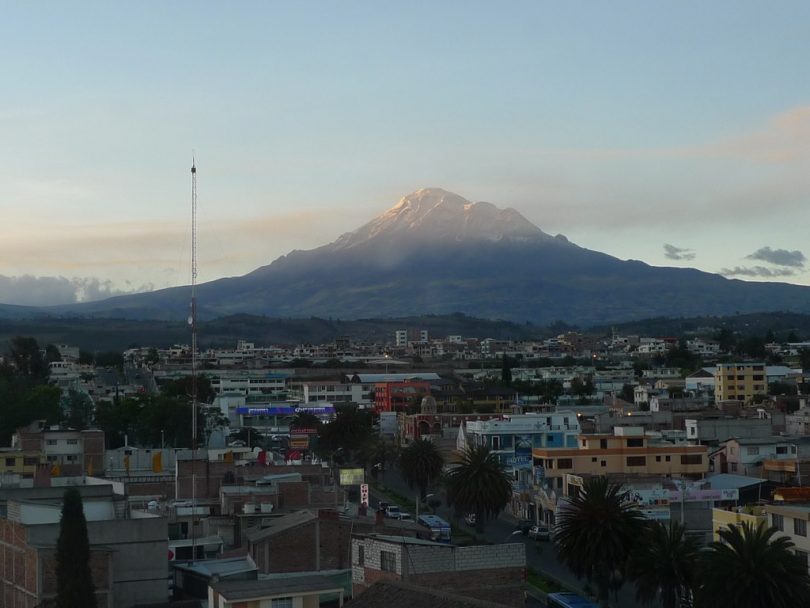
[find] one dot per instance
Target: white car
(392, 511)
(540, 533)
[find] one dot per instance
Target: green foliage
(110, 359)
(350, 429)
(478, 484)
(74, 583)
(750, 567)
(182, 388)
(596, 531)
(421, 464)
(26, 358)
(78, 409)
(663, 565)
(506, 371)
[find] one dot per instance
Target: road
(540, 555)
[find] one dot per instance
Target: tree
(478, 484)
(74, 583)
(663, 565)
(350, 429)
(596, 530)
(27, 358)
(750, 568)
(421, 464)
(506, 371)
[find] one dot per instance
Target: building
(739, 381)
(128, 548)
(398, 395)
(791, 520)
(69, 452)
(724, 518)
(298, 592)
(746, 456)
(626, 452)
(486, 572)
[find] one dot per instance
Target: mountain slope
(436, 253)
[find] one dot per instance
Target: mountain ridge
(435, 252)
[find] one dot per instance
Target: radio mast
(192, 321)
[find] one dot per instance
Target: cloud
(779, 257)
(678, 253)
(28, 290)
(757, 271)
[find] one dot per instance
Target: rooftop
(254, 589)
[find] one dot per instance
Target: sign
(275, 410)
(703, 495)
(364, 494)
(522, 460)
(574, 480)
(539, 475)
(352, 477)
(299, 442)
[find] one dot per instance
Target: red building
(398, 395)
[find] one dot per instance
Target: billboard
(352, 477)
(522, 459)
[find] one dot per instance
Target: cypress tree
(74, 583)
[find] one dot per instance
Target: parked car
(469, 519)
(383, 505)
(524, 525)
(403, 516)
(540, 533)
(392, 511)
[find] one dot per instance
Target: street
(540, 555)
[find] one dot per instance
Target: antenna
(192, 320)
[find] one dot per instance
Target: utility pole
(192, 321)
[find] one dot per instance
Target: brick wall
(293, 494)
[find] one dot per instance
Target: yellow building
(16, 462)
(627, 452)
(721, 518)
(739, 381)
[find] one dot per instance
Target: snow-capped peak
(433, 214)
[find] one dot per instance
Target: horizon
(659, 134)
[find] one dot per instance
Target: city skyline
(676, 134)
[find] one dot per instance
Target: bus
(439, 530)
(568, 600)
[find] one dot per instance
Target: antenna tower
(192, 320)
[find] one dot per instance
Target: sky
(676, 133)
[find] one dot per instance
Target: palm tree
(748, 567)
(663, 565)
(478, 484)
(595, 534)
(421, 464)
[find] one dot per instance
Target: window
(388, 561)
(361, 555)
(496, 443)
(657, 459)
(635, 442)
(30, 461)
(593, 459)
(565, 463)
(800, 527)
(636, 461)
(692, 459)
(10, 462)
(778, 522)
(781, 449)
(604, 463)
(733, 467)
(667, 458)
(752, 451)
(603, 444)
(282, 602)
(803, 556)
(73, 442)
(50, 442)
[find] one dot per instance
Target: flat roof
(254, 589)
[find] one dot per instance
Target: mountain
(437, 253)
